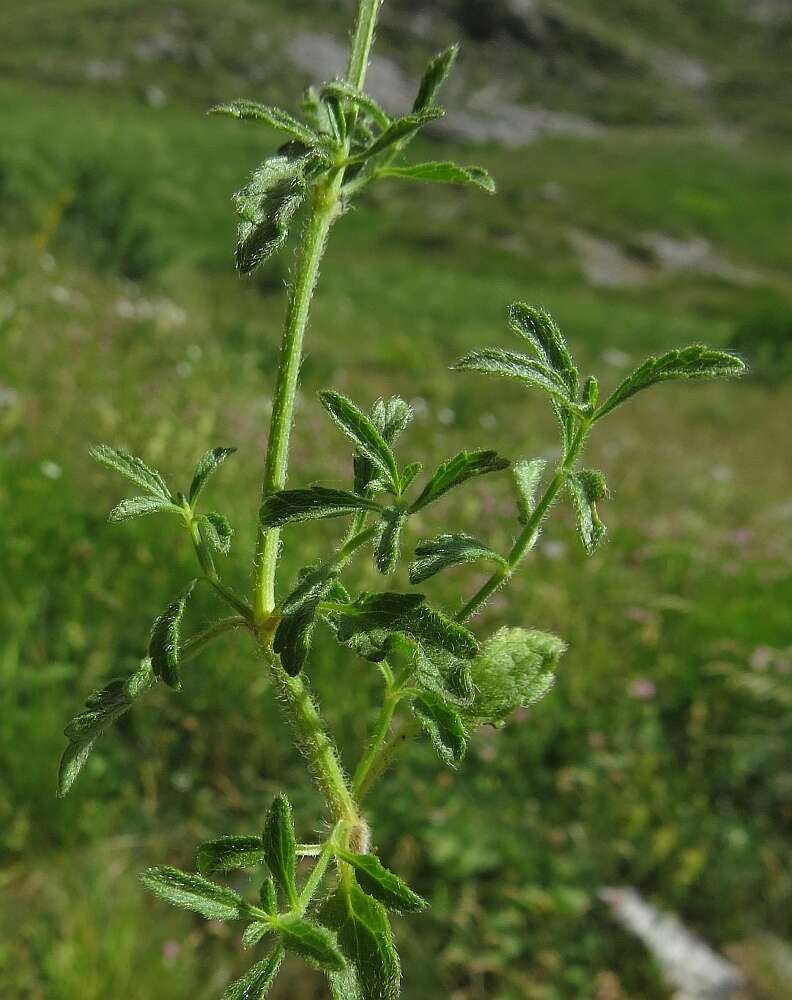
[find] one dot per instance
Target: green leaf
(139, 506)
(227, 854)
(256, 982)
(434, 77)
(694, 362)
(466, 465)
(344, 91)
(444, 727)
(357, 426)
(402, 130)
(442, 673)
(316, 502)
(515, 669)
(217, 531)
(390, 611)
(103, 708)
(276, 118)
(132, 468)
(510, 364)
(382, 884)
(442, 173)
(266, 206)
(312, 942)
(208, 465)
(293, 637)
(387, 550)
(193, 892)
(280, 847)
(543, 334)
(449, 550)
(268, 897)
(527, 476)
(586, 488)
(254, 932)
(365, 938)
(165, 640)
(408, 475)
(390, 417)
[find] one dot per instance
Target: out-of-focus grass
(121, 321)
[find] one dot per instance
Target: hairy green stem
(379, 736)
(362, 40)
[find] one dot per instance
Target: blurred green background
(642, 151)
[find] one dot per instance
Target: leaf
(132, 468)
(217, 531)
(466, 465)
(193, 892)
(515, 669)
(387, 551)
(164, 642)
(139, 506)
(312, 942)
(254, 932)
(442, 173)
(276, 118)
(510, 364)
(401, 130)
(694, 362)
(256, 982)
(357, 426)
(444, 674)
(293, 636)
(280, 848)
(344, 91)
(389, 611)
(586, 488)
(365, 938)
(527, 476)
(103, 708)
(408, 475)
(266, 206)
(543, 334)
(208, 465)
(449, 550)
(444, 727)
(227, 854)
(268, 897)
(316, 502)
(390, 417)
(382, 884)
(434, 77)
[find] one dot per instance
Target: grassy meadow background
(662, 758)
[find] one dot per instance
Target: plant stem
(363, 39)
(379, 736)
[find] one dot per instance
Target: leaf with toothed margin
(363, 432)
(449, 550)
(390, 417)
(206, 468)
(164, 644)
(542, 332)
(316, 502)
(194, 892)
(441, 173)
(140, 506)
(511, 364)
(457, 470)
(132, 468)
(434, 77)
(256, 982)
(276, 118)
(527, 476)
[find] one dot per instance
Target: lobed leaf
(132, 468)
(164, 642)
(139, 506)
(280, 847)
(357, 426)
(466, 465)
(586, 487)
(256, 982)
(511, 364)
(527, 476)
(390, 417)
(695, 362)
(193, 892)
(449, 550)
(208, 465)
(382, 884)
(434, 77)
(544, 335)
(316, 502)
(266, 207)
(444, 727)
(226, 854)
(442, 173)
(217, 530)
(277, 118)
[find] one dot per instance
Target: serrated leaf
(104, 707)
(344, 91)
(390, 417)
(193, 892)
(457, 470)
(365, 938)
(586, 488)
(140, 506)
(316, 502)
(293, 636)
(401, 130)
(312, 942)
(442, 173)
(268, 897)
(164, 643)
(386, 554)
(527, 476)
(434, 77)
(132, 468)
(408, 475)
(382, 884)
(511, 364)
(280, 847)
(442, 673)
(227, 854)
(208, 465)
(516, 668)
(276, 118)
(253, 933)
(544, 335)
(266, 207)
(217, 530)
(256, 983)
(444, 727)
(449, 550)
(695, 362)
(390, 611)
(362, 431)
